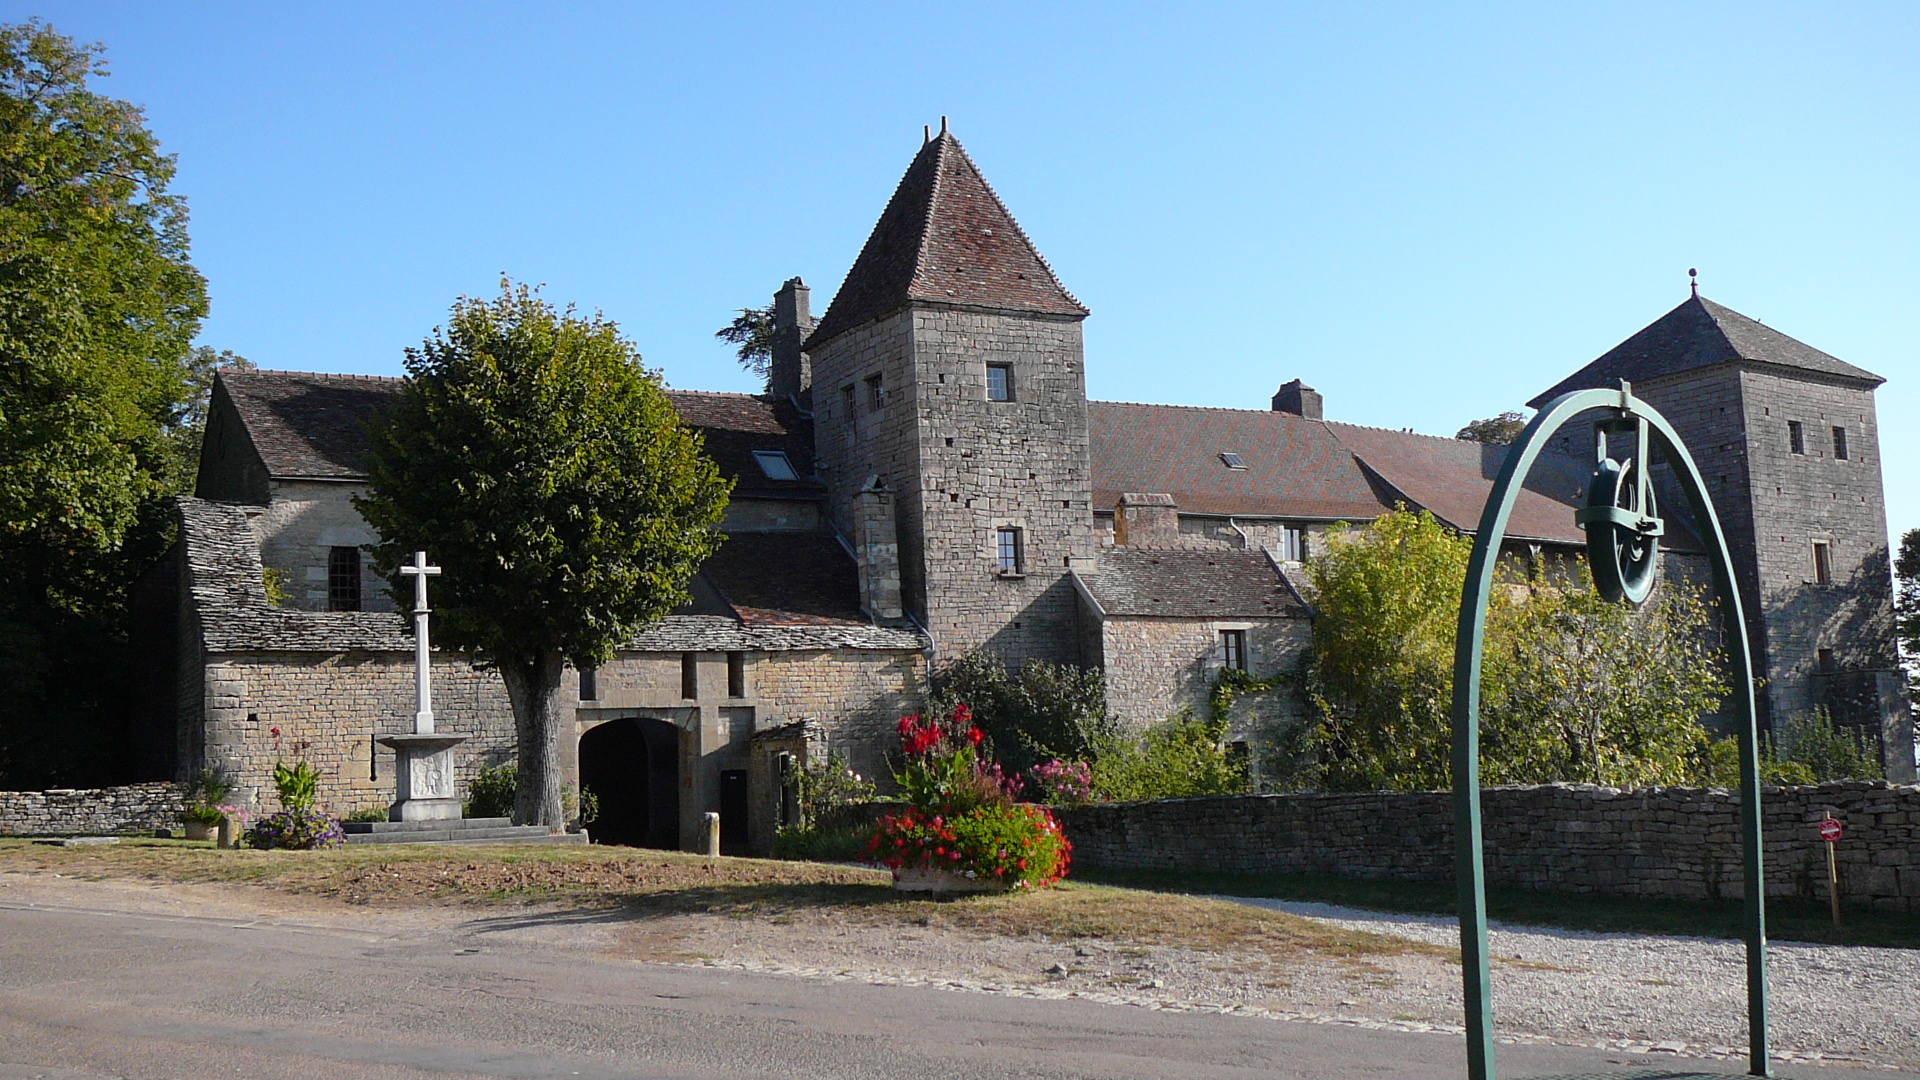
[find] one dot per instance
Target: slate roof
(1295, 467)
(945, 236)
(1190, 584)
(1700, 333)
(1453, 478)
(223, 567)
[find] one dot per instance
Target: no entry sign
(1830, 831)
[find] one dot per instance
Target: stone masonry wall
(299, 528)
(135, 808)
(1681, 843)
(1156, 666)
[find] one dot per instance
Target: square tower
(949, 380)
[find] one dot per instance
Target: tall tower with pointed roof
(1788, 441)
(949, 383)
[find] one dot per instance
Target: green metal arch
(1469, 851)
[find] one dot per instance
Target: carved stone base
(423, 777)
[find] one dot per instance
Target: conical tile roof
(945, 237)
(1697, 334)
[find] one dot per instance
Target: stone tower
(1788, 442)
(948, 382)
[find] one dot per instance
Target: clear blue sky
(1429, 212)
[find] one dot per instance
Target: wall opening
(633, 767)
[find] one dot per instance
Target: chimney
(1146, 519)
(792, 371)
(878, 548)
(1299, 399)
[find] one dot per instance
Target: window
(1822, 562)
(876, 394)
(736, 674)
(1232, 461)
(999, 382)
(1011, 559)
(1233, 649)
(689, 675)
(1293, 543)
(1840, 444)
(1823, 661)
(1796, 437)
(589, 684)
(846, 399)
(343, 579)
(775, 464)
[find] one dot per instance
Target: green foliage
(297, 785)
(491, 792)
(367, 813)
(1906, 607)
(1182, 757)
(1041, 713)
(1015, 844)
(303, 829)
(752, 331)
(275, 584)
(1498, 430)
(544, 468)
(834, 822)
(205, 795)
(830, 841)
(98, 306)
(1812, 749)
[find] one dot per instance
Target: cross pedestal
(423, 777)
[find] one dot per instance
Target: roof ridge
(1402, 431)
(994, 194)
(920, 245)
(311, 374)
(764, 398)
(1198, 408)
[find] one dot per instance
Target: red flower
(974, 735)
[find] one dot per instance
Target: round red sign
(1831, 831)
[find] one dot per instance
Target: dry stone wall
(134, 808)
(1676, 843)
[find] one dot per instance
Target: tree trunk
(533, 686)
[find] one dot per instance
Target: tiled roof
(1203, 584)
(223, 564)
(1294, 466)
(945, 236)
(307, 425)
(787, 579)
(1453, 478)
(1700, 333)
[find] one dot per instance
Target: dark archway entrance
(633, 767)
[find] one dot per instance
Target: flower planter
(200, 830)
(924, 879)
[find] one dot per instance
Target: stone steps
(456, 831)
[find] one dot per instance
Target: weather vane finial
(1693, 279)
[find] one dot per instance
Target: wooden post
(1833, 877)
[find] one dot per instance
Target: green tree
(752, 331)
(1906, 608)
(203, 363)
(1034, 715)
(1498, 430)
(98, 307)
(543, 467)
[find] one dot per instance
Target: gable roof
(945, 236)
(1192, 584)
(1700, 333)
(1453, 479)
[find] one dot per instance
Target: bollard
(225, 837)
(713, 833)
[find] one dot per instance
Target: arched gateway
(1623, 546)
(632, 766)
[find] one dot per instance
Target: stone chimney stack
(879, 549)
(1299, 399)
(1146, 519)
(792, 371)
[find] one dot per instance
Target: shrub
(491, 792)
(1018, 844)
(1182, 757)
(297, 785)
(205, 794)
(1063, 783)
(367, 813)
(295, 830)
(833, 825)
(1039, 713)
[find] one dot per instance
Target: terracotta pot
(200, 830)
(923, 879)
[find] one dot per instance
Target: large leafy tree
(1906, 605)
(544, 468)
(98, 307)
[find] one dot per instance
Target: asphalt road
(103, 989)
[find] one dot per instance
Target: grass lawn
(1787, 920)
(661, 883)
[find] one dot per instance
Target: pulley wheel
(1625, 561)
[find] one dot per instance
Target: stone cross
(422, 678)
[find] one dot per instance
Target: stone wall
(298, 530)
(1680, 843)
(135, 808)
(1156, 666)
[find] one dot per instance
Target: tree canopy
(98, 307)
(752, 331)
(543, 467)
(1498, 430)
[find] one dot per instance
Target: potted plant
(298, 826)
(205, 798)
(966, 830)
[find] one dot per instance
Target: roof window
(1232, 461)
(775, 464)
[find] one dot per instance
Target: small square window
(1796, 437)
(1822, 562)
(1010, 557)
(589, 684)
(343, 579)
(876, 393)
(999, 382)
(1293, 544)
(1232, 461)
(1233, 649)
(1840, 444)
(775, 464)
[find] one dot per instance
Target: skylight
(1232, 461)
(775, 464)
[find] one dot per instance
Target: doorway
(632, 766)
